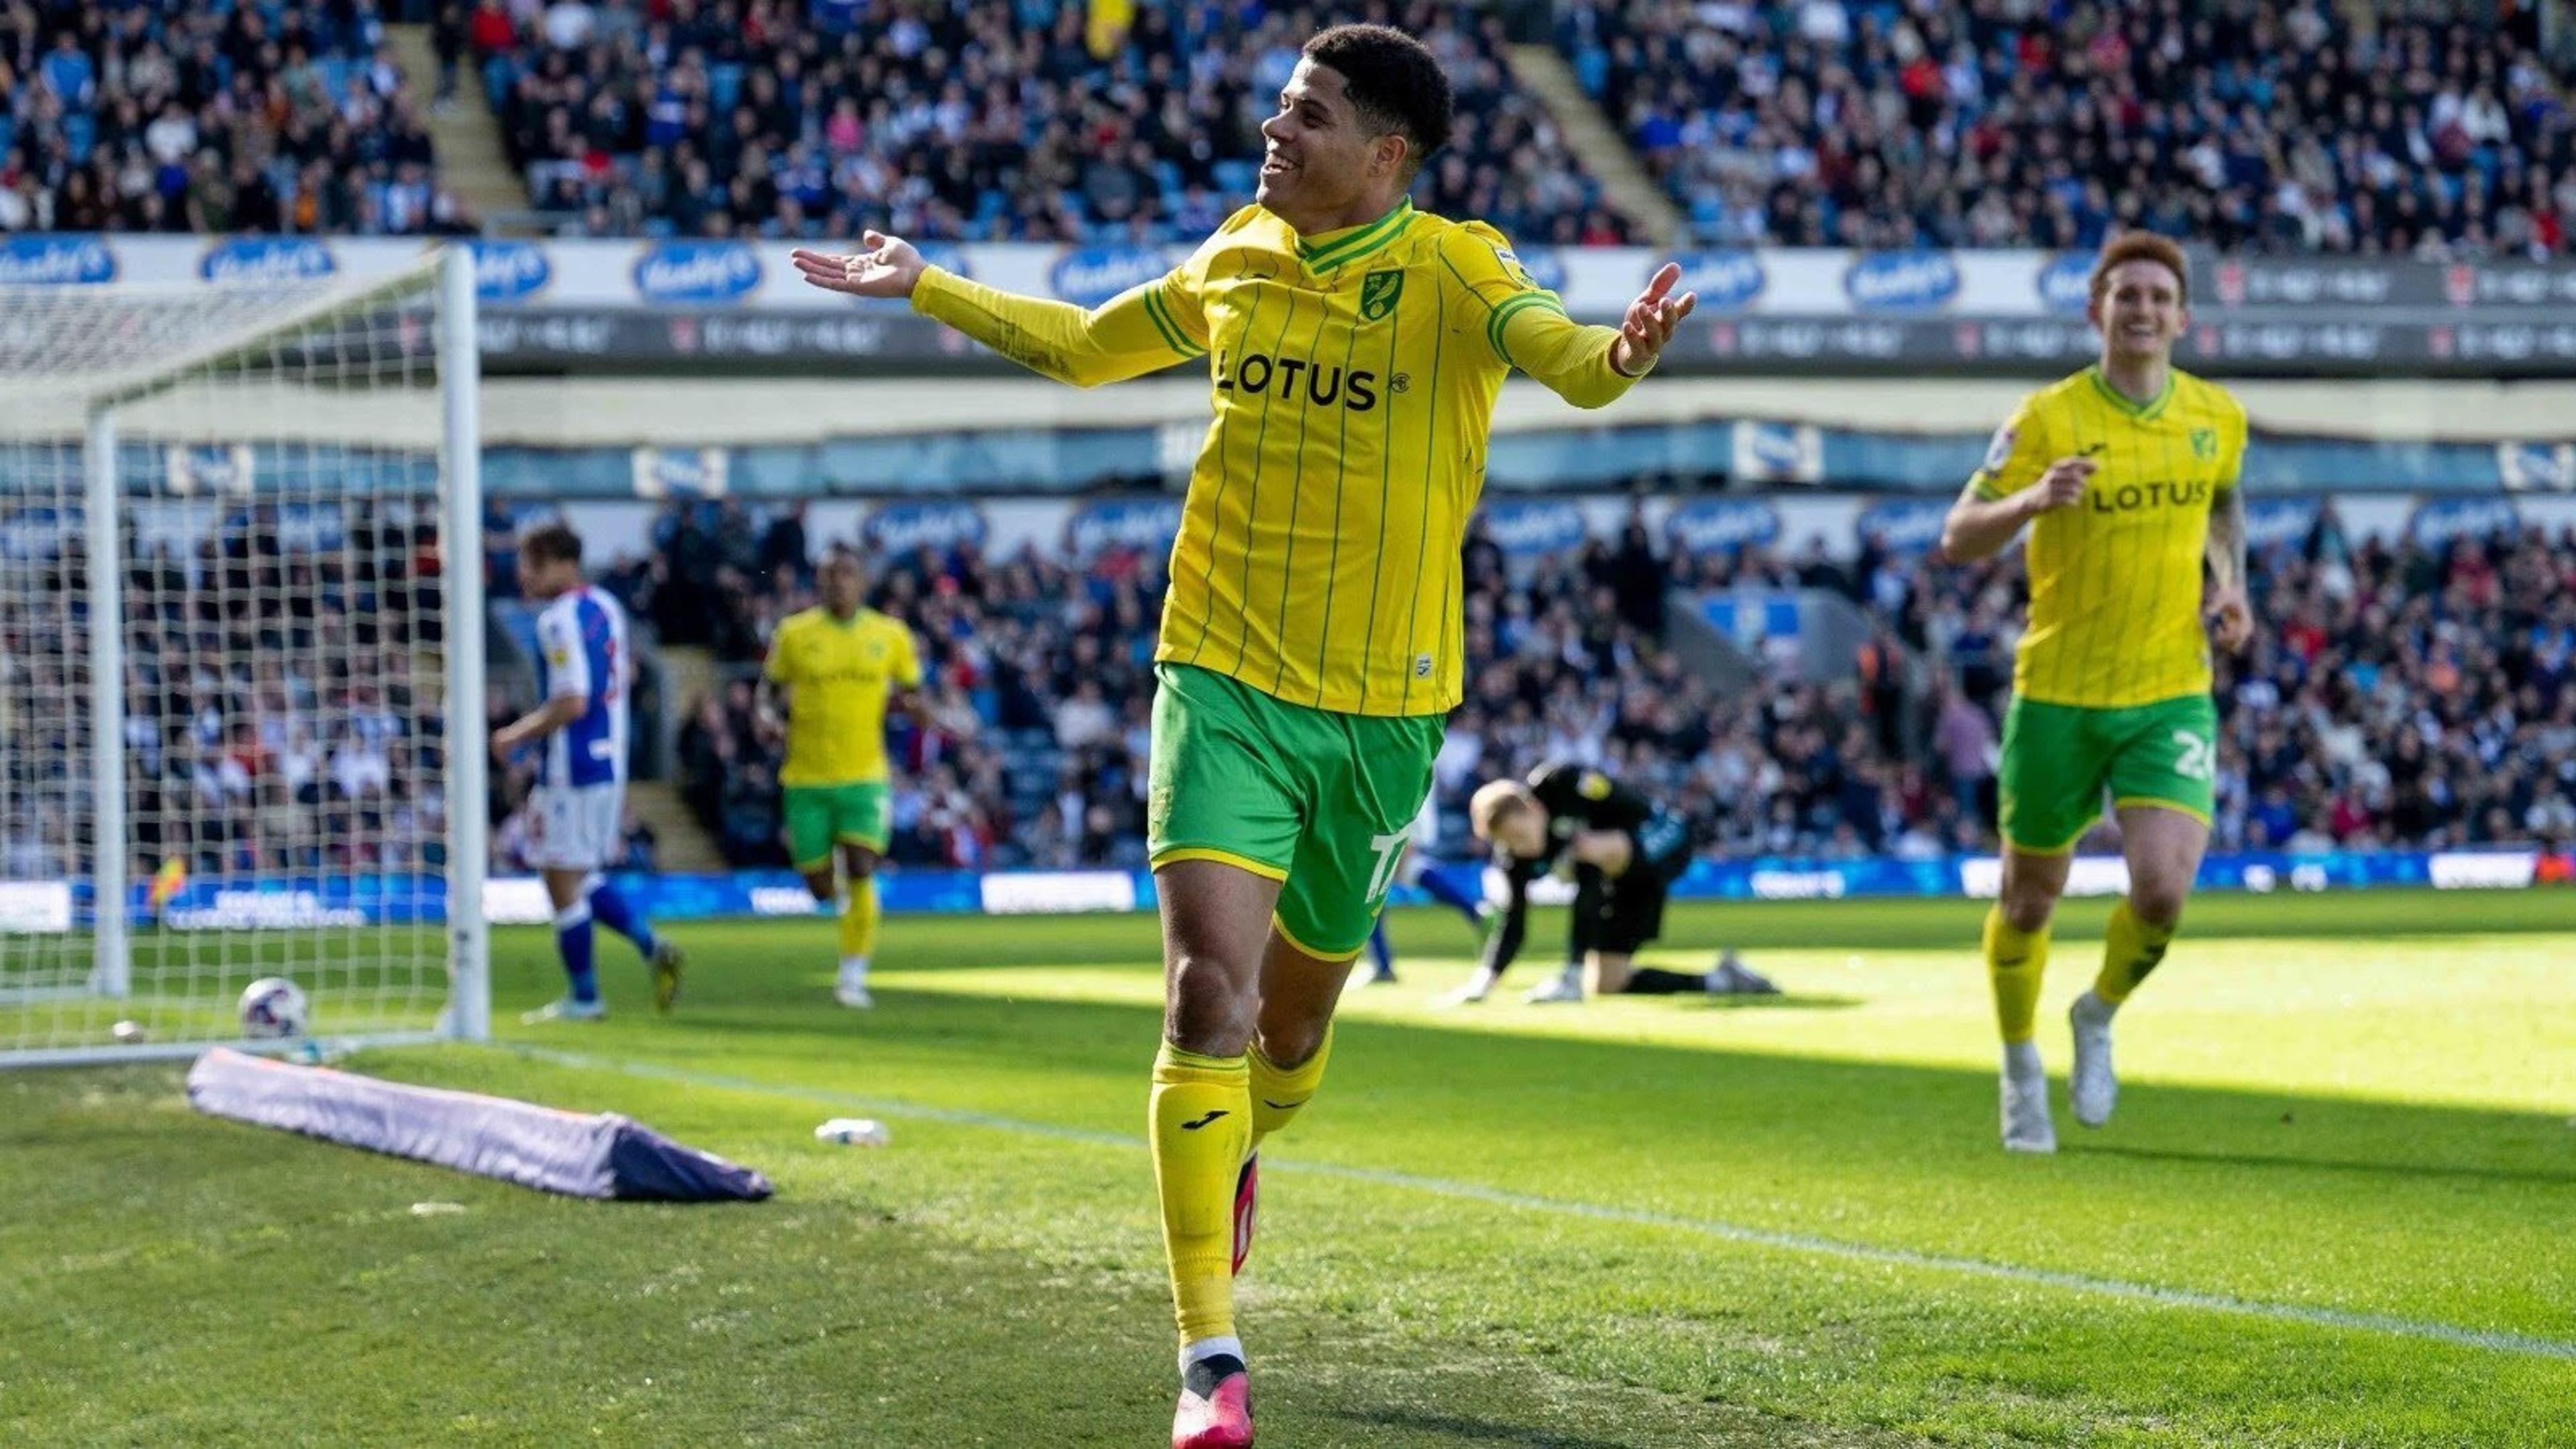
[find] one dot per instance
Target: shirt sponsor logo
(697, 272)
(266, 259)
(39, 261)
(1916, 281)
(2129, 497)
(1263, 375)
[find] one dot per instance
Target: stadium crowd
(2395, 696)
(277, 717)
(990, 120)
(161, 117)
(2285, 125)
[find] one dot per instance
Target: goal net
(241, 661)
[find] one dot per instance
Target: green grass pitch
(2334, 1209)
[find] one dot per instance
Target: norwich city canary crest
(2204, 444)
(1378, 291)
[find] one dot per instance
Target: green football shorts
(1320, 801)
(822, 816)
(2058, 758)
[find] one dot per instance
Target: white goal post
(241, 661)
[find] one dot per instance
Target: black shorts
(1632, 913)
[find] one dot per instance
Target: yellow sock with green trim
(1279, 1092)
(2130, 949)
(859, 918)
(2015, 961)
(1199, 1123)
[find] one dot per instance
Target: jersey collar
(2143, 412)
(1336, 248)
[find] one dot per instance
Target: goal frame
(448, 274)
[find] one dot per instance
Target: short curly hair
(1394, 83)
(2141, 246)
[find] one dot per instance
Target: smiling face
(2139, 311)
(1319, 163)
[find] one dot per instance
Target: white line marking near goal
(2334, 1318)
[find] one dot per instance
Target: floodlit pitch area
(2332, 1211)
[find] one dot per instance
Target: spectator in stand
(983, 120)
(2283, 125)
(287, 117)
(2396, 694)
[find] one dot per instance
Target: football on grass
(272, 1007)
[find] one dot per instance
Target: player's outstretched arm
(1131, 334)
(1592, 367)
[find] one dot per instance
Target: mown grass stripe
(2339, 1319)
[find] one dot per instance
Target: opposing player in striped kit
(578, 804)
(1311, 639)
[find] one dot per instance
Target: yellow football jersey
(1353, 375)
(2115, 581)
(842, 674)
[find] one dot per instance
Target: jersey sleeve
(1146, 328)
(1523, 324)
(2231, 443)
(903, 668)
(2016, 457)
(567, 663)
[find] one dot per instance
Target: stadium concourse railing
(512, 900)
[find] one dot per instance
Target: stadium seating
(200, 118)
(2271, 126)
(2394, 696)
(984, 121)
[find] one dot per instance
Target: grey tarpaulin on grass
(603, 1156)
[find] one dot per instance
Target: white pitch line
(2335, 1318)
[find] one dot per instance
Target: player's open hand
(1651, 321)
(888, 268)
(2231, 618)
(2063, 485)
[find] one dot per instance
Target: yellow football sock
(1200, 1125)
(1278, 1092)
(859, 918)
(2015, 960)
(2130, 949)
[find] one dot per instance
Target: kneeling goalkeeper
(1623, 851)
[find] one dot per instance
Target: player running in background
(1309, 648)
(839, 663)
(1623, 852)
(574, 811)
(2126, 474)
